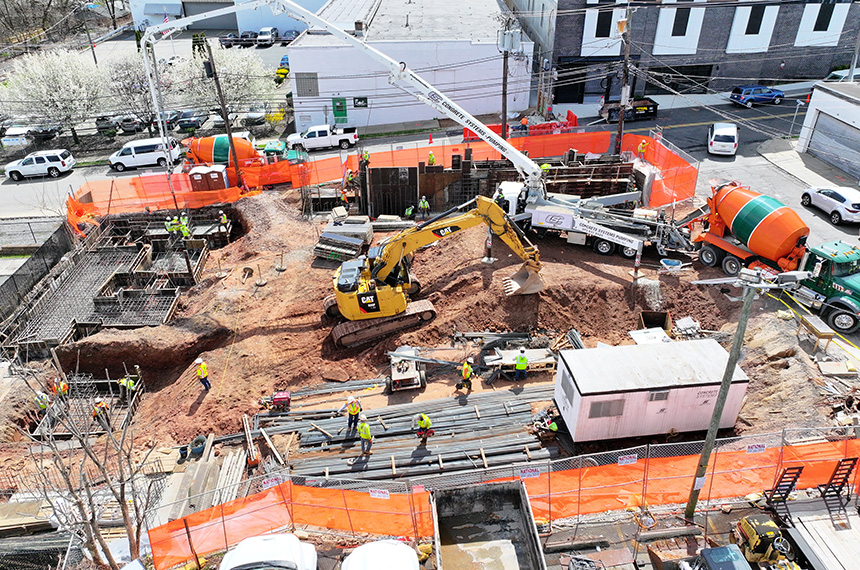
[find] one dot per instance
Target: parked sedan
(193, 119)
(107, 124)
(218, 120)
(130, 124)
(841, 203)
(170, 118)
(288, 36)
(746, 95)
(247, 39)
(228, 40)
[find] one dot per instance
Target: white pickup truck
(323, 136)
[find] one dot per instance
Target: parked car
(842, 203)
(256, 115)
(748, 94)
(37, 132)
(169, 117)
(247, 39)
(218, 120)
(288, 36)
(107, 124)
(268, 36)
(285, 62)
(145, 152)
(42, 163)
(130, 124)
(323, 136)
(723, 138)
(840, 75)
(193, 119)
(228, 40)
(271, 551)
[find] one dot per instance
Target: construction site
(504, 354)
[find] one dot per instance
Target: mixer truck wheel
(842, 321)
(710, 256)
(731, 265)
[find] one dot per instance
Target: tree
(58, 86)
(76, 480)
(244, 80)
(129, 87)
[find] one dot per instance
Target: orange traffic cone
(808, 97)
(431, 138)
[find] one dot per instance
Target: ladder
(838, 481)
(778, 496)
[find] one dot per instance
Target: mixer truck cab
(834, 288)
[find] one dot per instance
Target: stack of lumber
(338, 247)
(364, 232)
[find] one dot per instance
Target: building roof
(632, 368)
(416, 19)
(845, 89)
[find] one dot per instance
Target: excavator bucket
(524, 282)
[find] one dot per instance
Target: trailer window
(608, 409)
(660, 396)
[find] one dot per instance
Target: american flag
(166, 19)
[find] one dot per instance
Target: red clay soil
(259, 339)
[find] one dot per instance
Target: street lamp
(751, 281)
(796, 109)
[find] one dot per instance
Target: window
(65, 154)
(658, 396)
(606, 409)
(682, 18)
(825, 13)
(40, 160)
(604, 24)
(27, 162)
(567, 386)
(53, 158)
(125, 152)
(147, 148)
(754, 22)
(307, 85)
(311, 135)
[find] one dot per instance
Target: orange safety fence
(677, 178)
(559, 489)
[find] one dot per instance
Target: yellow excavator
(373, 292)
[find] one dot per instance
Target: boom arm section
(485, 211)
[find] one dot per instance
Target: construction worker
(365, 156)
(422, 423)
(350, 176)
(183, 219)
(203, 373)
(168, 225)
(466, 371)
(42, 401)
(127, 387)
(410, 212)
(353, 409)
(174, 226)
(524, 124)
(522, 362)
(222, 220)
(431, 159)
(423, 207)
(642, 146)
(366, 437)
(101, 413)
(60, 389)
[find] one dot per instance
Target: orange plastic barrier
(553, 495)
(677, 180)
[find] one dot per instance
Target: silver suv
(42, 163)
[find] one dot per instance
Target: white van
(144, 152)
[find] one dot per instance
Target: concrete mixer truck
(743, 228)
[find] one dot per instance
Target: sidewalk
(803, 166)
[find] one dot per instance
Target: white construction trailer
(638, 390)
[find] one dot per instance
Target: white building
(151, 12)
(831, 129)
(451, 44)
(639, 390)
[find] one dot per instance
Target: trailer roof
(632, 368)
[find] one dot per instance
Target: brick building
(697, 46)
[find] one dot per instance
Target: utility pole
(710, 439)
(852, 76)
(224, 113)
(506, 46)
(89, 38)
(155, 93)
(624, 28)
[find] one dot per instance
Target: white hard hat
(522, 349)
(168, 218)
(40, 393)
(183, 213)
(470, 360)
(362, 417)
(350, 399)
(422, 197)
(99, 400)
(220, 211)
(198, 361)
(643, 140)
(175, 217)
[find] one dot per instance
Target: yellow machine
(373, 292)
(762, 543)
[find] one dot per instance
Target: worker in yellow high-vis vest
(365, 435)
(521, 363)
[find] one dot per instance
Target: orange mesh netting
(553, 495)
(677, 179)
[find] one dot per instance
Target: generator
(277, 401)
(406, 374)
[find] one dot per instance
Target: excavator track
(330, 307)
(356, 333)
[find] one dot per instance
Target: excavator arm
(396, 249)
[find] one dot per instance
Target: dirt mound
(271, 225)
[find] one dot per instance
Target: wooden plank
(207, 450)
(477, 412)
(393, 468)
(271, 445)
(289, 445)
(483, 458)
(321, 430)
(528, 453)
(441, 466)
